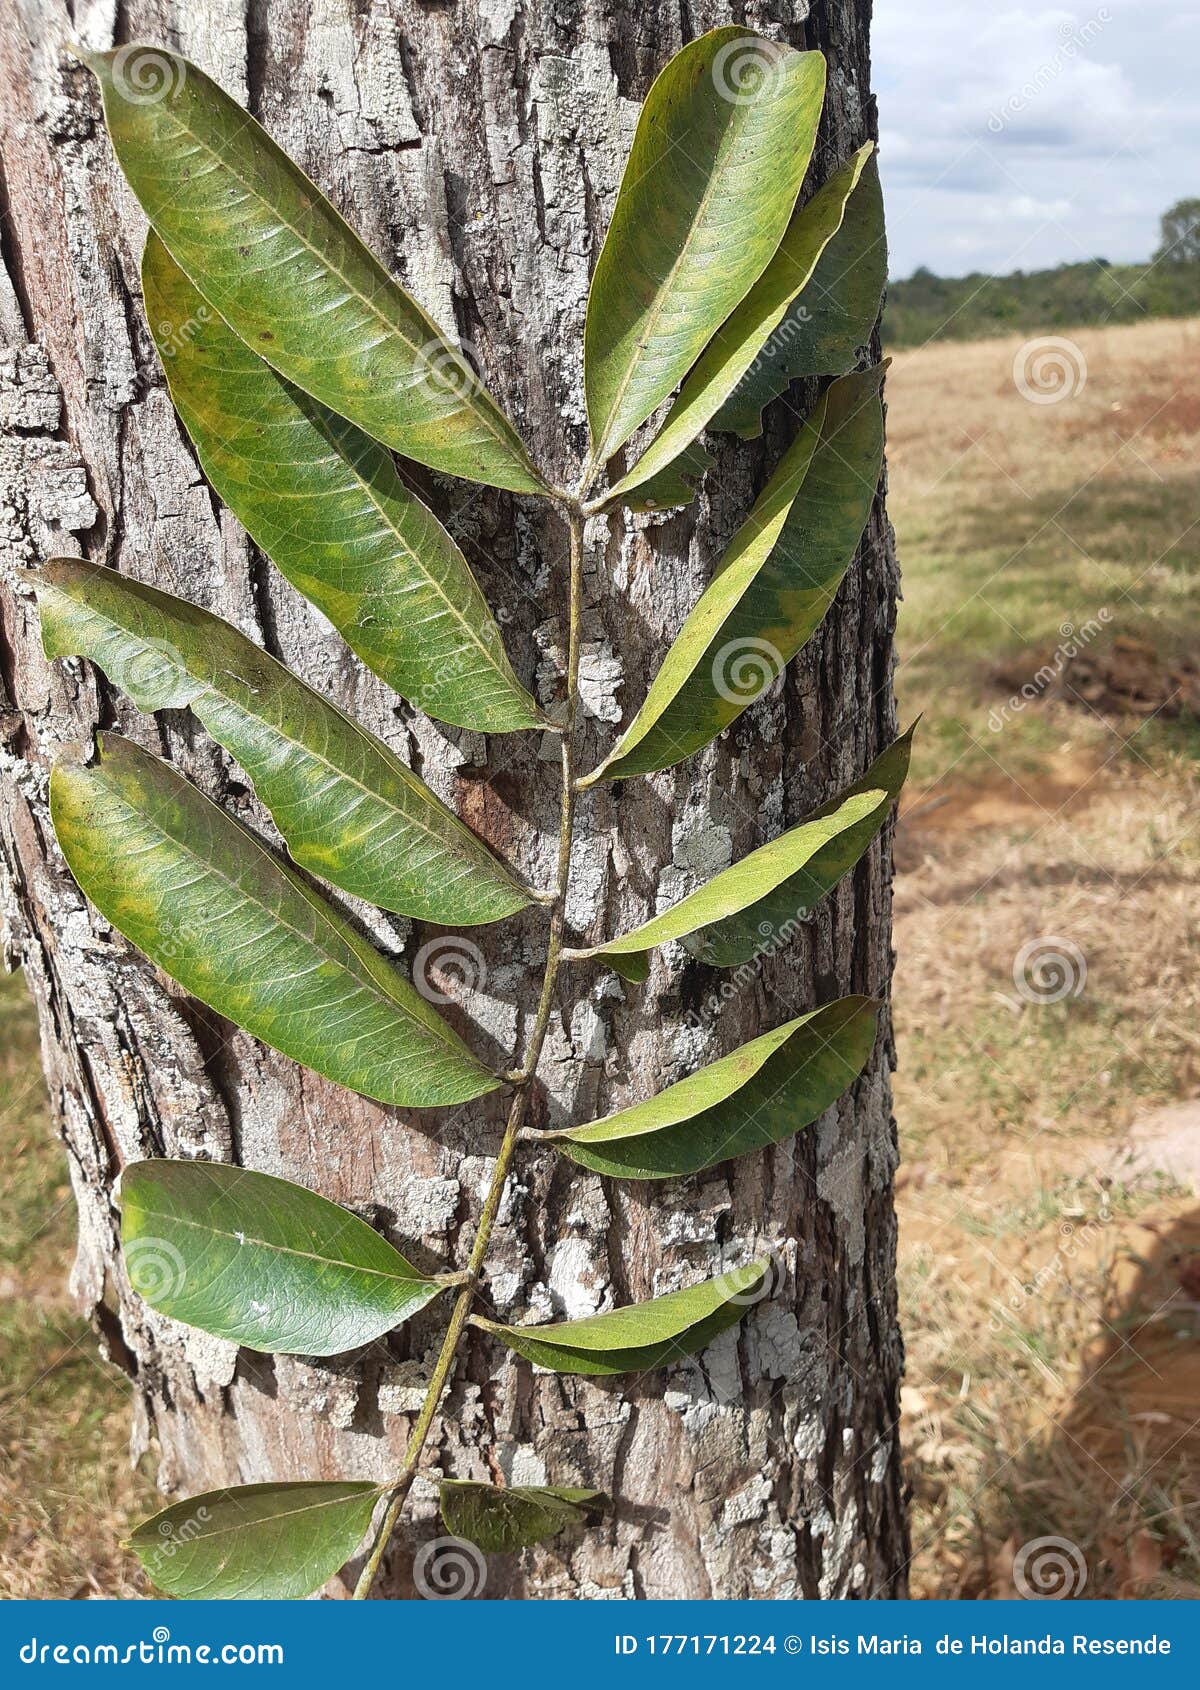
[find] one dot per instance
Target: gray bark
(477, 148)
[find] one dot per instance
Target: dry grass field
(1048, 981)
(1050, 1278)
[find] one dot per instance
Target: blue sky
(1022, 137)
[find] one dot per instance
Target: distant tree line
(929, 307)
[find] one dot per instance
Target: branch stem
(573, 513)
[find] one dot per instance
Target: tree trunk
(477, 148)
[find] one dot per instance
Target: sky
(1020, 138)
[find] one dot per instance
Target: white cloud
(1033, 136)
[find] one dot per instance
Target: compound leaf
(755, 333)
(326, 504)
(822, 332)
(348, 808)
(760, 1094)
(773, 587)
(643, 1335)
(260, 1261)
(207, 902)
(499, 1519)
(255, 1541)
(269, 252)
(721, 148)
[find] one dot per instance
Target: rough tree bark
(477, 147)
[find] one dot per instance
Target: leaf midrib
(659, 306)
(380, 317)
(366, 981)
(285, 1514)
(397, 767)
(280, 1249)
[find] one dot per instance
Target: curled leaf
(760, 1094)
(822, 332)
(721, 148)
(641, 1336)
(500, 1519)
(772, 588)
(760, 331)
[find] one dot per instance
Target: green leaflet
(761, 1094)
(644, 1335)
(291, 278)
(499, 1520)
(720, 151)
(325, 503)
(675, 484)
(348, 808)
(773, 587)
(281, 1541)
(750, 885)
(745, 339)
(260, 1261)
(770, 921)
(821, 335)
(211, 906)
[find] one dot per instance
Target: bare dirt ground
(1046, 1001)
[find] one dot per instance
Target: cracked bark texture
(477, 147)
